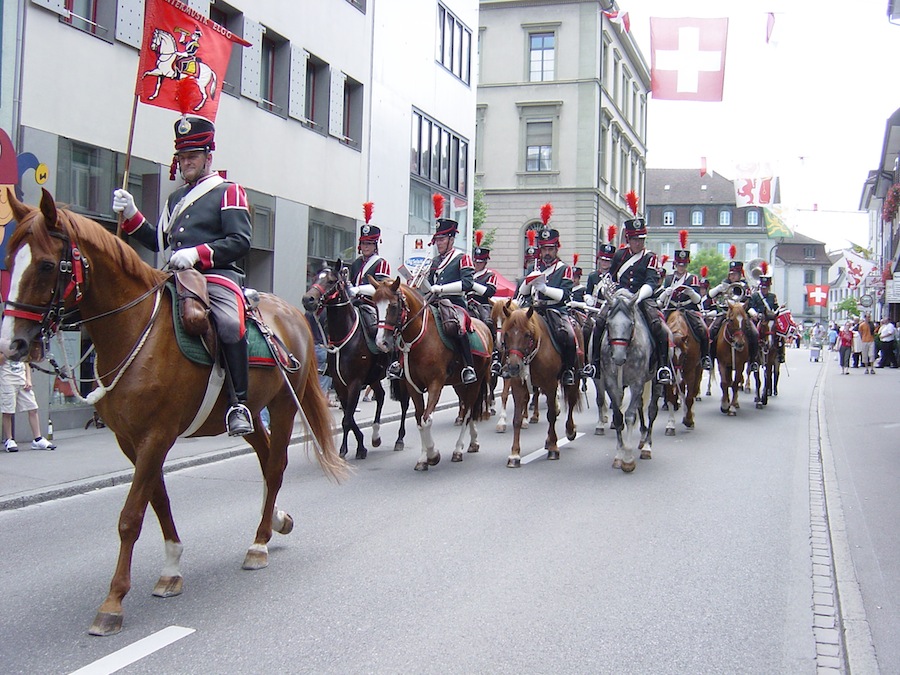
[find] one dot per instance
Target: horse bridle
(619, 342)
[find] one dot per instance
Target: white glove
(184, 258)
(123, 203)
(692, 294)
(644, 292)
(352, 291)
(665, 295)
(479, 289)
(364, 289)
(539, 284)
(436, 289)
(752, 312)
(590, 300)
(716, 290)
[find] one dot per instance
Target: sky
(814, 104)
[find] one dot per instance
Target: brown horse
(407, 322)
(687, 372)
(500, 308)
(60, 263)
(767, 375)
(533, 361)
(732, 352)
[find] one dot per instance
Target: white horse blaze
(21, 263)
(380, 311)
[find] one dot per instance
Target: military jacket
(578, 292)
(454, 266)
(488, 279)
(633, 270)
(216, 223)
(679, 298)
(559, 275)
(756, 302)
(361, 268)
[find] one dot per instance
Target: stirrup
(568, 377)
(589, 371)
(238, 420)
(754, 367)
(395, 371)
(706, 363)
(664, 375)
(495, 368)
(468, 375)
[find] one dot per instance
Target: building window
(753, 217)
(97, 17)
(666, 249)
(669, 217)
(809, 252)
(438, 155)
(722, 249)
(274, 77)
(809, 276)
(752, 250)
(421, 209)
(697, 217)
(230, 18)
(317, 90)
(724, 217)
(85, 178)
(454, 44)
(538, 146)
(542, 56)
(359, 4)
(353, 112)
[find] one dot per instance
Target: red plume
(184, 90)
(479, 237)
(764, 266)
(732, 251)
(531, 237)
(682, 237)
(546, 212)
(574, 260)
(368, 208)
(438, 200)
(665, 259)
(611, 235)
(632, 200)
(704, 271)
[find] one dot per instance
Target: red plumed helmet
(574, 259)
(682, 237)
(438, 200)
(546, 212)
(532, 235)
(479, 237)
(632, 200)
(764, 267)
(704, 271)
(732, 251)
(368, 208)
(665, 259)
(611, 234)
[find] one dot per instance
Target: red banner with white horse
(184, 57)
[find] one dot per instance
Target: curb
(85, 485)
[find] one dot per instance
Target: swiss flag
(816, 295)
(687, 58)
(184, 57)
(620, 18)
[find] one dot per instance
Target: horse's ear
(48, 210)
(529, 313)
(506, 310)
(20, 210)
(337, 265)
(395, 285)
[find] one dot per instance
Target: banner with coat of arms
(184, 57)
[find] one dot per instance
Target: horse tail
(573, 397)
(214, 83)
(318, 417)
(481, 407)
(398, 390)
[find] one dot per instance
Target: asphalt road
(699, 561)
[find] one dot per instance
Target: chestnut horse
(732, 353)
(500, 307)
(532, 361)
(351, 363)
(769, 368)
(61, 263)
(688, 372)
(406, 322)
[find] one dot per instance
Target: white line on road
(543, 452)
(134, 652)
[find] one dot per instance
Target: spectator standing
(832, 336)
(887, 334)
(17, 395)
(867, 337)
(856, 351)
(845, 344)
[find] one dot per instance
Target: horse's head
(328, 287)
(735, 319)
(620, 324)
(521, 338)
(392, 312)
(41, 259)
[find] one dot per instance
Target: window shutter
(297, 99)
(336, 111)
(201, 6)
(58, 6)
(130, 22)
(251, 59)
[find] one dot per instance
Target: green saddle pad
(475, 341)
(194, 349)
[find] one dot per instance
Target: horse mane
(520, 320)
(83, 231)
(736, 311)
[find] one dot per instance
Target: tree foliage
(849, 305)
(479, 216)
(718, 266)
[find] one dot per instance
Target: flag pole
(125, 173)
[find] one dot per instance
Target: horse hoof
(457, 422)
(534, 419)
(524, 424)
(343, 452)
(670, 431)
(725, 411)
(645, 454)
(514, 463)
(474, 447)
(287, 524)
(599, 431)
(628, 467)
(457, 456)
(689, 425)
(398, 446)
(376, 442)
(492, 411)
(257, 558)
(759, 405)
(432, 461)
(501, 428)
(732, 413)
(617, 463)
(106, 624)
(421, 466)
(362, 453)
(168, 587)
(553, 454)
(572, 434)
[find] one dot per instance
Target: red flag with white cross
(687, 58)
(816, 295)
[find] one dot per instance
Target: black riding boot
(468, 372)
(702, 336)
(238, 420)
(592, 368)
(664, 372)
(568, 358)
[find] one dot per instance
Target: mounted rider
(735, 285)
(450, 277)
(600, 276)
(368, 263)
(484, 286)
(206, 224)
(550, 289)
(186, 61)
(579, 290)
(635, 268)
(763, 305)
(681, 290)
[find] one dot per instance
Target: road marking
(134, 652)
(537, 454)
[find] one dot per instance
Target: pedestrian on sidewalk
(886, 335)
(867, 336)
(16, 395)
(845, 344)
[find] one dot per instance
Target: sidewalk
(88, 460)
